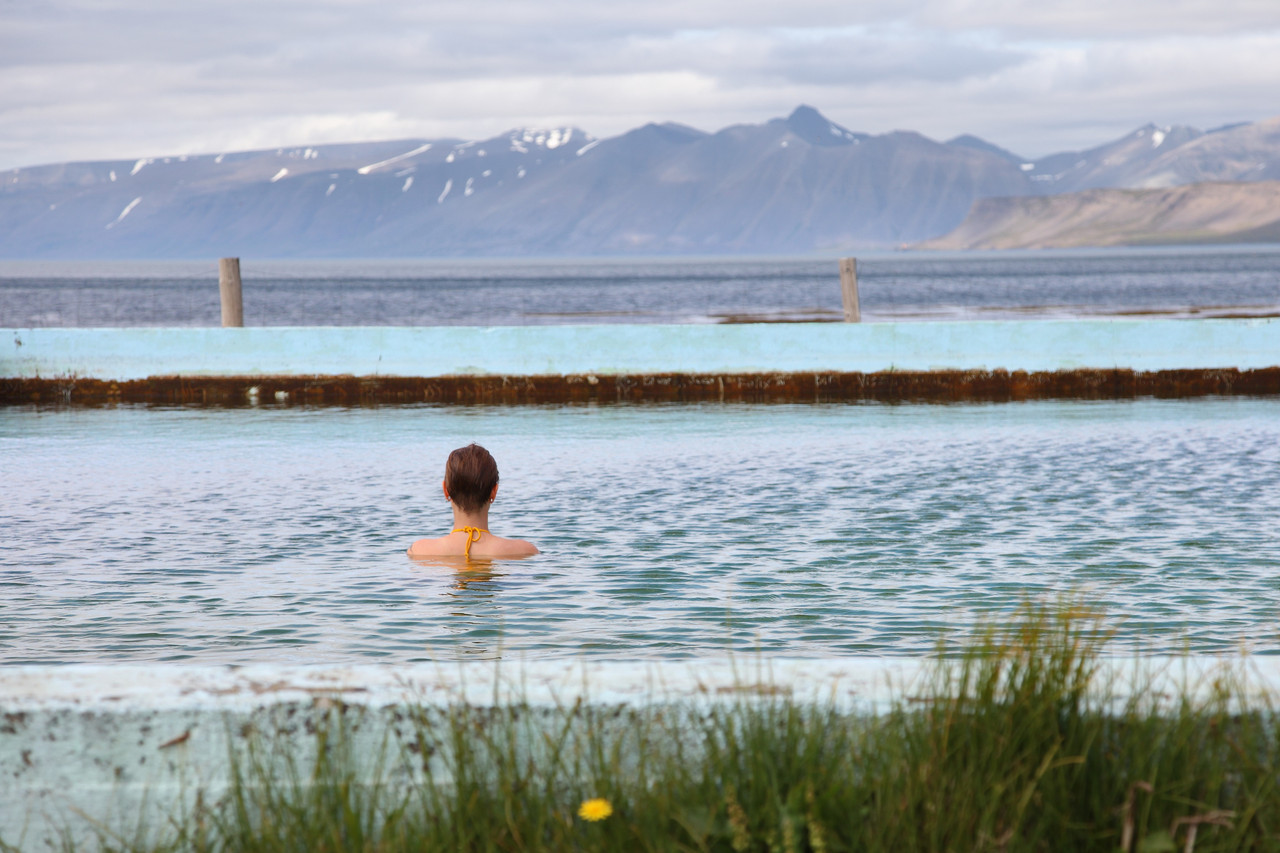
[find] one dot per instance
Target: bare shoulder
(513, 548)
(429, 547)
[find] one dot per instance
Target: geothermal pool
(277, 534)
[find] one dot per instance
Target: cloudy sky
(102, 79)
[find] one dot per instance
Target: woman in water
(470, 485)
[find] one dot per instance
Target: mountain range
(800, 184)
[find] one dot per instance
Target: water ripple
(138, 534)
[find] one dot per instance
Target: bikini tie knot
(473, 535)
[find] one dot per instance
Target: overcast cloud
(103, 79)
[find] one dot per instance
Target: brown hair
(470, 475)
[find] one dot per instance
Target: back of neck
(471, 519)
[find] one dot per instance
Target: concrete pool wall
(769, 361)
(97, 748)
(1032, 345)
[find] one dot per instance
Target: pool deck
(784, 362)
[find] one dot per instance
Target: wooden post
(849, 290)
(229, 289)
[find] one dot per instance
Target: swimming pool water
(278, 533)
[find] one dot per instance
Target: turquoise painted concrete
(121, 354)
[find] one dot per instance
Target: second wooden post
(849, 290)
(229, 290)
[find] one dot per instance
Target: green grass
(1013, 743)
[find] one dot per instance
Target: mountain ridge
(799, 184)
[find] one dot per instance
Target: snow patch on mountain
(128, 208)
(364, 170)
(549, 138)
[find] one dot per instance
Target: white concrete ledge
(1032, 345)
(856, 684)
(549, 684)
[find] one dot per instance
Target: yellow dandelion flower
(596, 809)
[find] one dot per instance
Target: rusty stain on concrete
(800, 387)
(182, 738)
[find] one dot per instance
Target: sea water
(1176, 282)
(279, 533)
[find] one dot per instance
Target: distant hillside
(799, 184)
(1217, 212)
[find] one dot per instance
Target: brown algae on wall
(777, 387)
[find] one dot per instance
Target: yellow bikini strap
(473, 535)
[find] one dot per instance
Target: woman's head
(470, 476)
